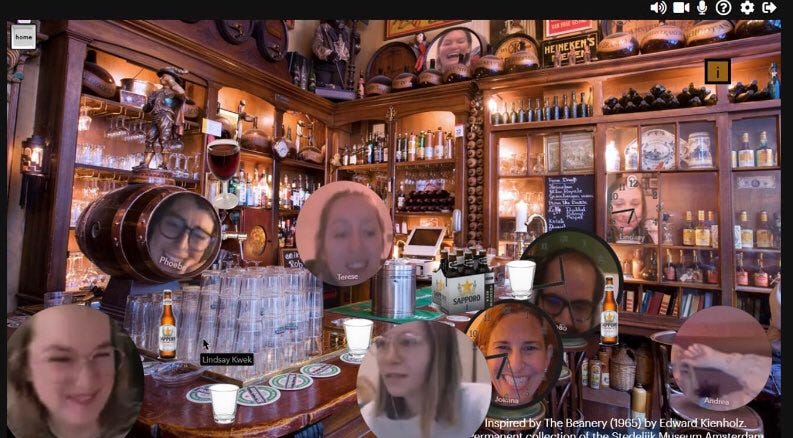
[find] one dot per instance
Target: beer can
(594, 374)
(585, 372)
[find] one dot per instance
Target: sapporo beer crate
(462, 294)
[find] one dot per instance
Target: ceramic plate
(658, 149)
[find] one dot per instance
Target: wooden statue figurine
(165, 106)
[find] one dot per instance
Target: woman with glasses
(574, 290)
(180, 234)
(72, 373)
(518, 343)
(419, 390)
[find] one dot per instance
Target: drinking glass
(224, 402)
(223, 158)
(521, 278)
(358, 332)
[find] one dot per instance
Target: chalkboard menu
(290, 258)
(570, 202)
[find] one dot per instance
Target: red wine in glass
(223, 157)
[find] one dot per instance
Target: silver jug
(393, 290)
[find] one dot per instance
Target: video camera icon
(658, 7)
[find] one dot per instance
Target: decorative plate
(257, 395)
(658, 149)
(272, 39)
(235, 31)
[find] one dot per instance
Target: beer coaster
(257, 395)
(200, 394)
(458, 318)
(472, 312)
(291, 381)
(347, 357)
(320, 370)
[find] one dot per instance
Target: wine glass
(223, 158)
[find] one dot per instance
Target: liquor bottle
(565, 111)
(689, 233)
(242, 193)
(681, 266)
(398, 150)
(609, 318)
(401, 196)
(714, 229)
(741, 276)
(637, 264)
(764, 237)
(746, 153)
(429, 149)
(573, 106)
(696, 268)
(583, 110)
(421, 145)
(555, 108)
(468, 264)
(650, 271)
(449, 148)
(370, 147)
(167, 333)
(669, 267)
(505, 114)
(760, 277)
(774, 86)
(547, 113)
(589, 107)
(521, 113)
(702, 231)
(777, 230)
(250, 199)
(765, 155)
(294, 195)
(747, 233)
(639, 406)
(438, 154)
(712, 269)
(538, 111)
(412, 147)
(529, 112)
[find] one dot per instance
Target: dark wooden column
(46, 235)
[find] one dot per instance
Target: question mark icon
(723, 7)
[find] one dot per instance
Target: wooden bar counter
(166, 412)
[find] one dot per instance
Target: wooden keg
(151, 233)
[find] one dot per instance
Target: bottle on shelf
(760, 277)
(712, 269)
(689, 231)
(702, 230)
(573, 106)
(439, 153)
(714, 229)
(765, 156)
(589, 107)
(741, 276)
(746, 153)
(565, 111)
(444, 265)
(747, 233)
(167, 332)
(639, 406)
(631, 159)
(555, 108)
(401, 196)
(538, 111)
(637, 264)
(242, 188)
(681, 267)
(378, 150)
(529, 117)
(521, 112)
(609, 318)
(412, 147)
(583, 109)
(774, 86)
(696, 268)
(650, 270)
(449, 148)
(669, 267)
(764, 236)
(546, 110)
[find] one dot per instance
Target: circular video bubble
(523, 350)
(344, 233)
(423, 378)
(73, 366)
(570, 278)
(721, 358)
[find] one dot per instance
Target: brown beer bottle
(609, 317)
(167, 338)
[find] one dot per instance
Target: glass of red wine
(223, 157)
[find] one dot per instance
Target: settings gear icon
(747, 7)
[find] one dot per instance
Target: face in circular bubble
(181, 235)
(72, 373)
(522, 349)
(345, 229)
(721, 358)
(416, 381)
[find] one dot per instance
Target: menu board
(570, 202)
(290, 258)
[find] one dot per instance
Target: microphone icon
(702, 7)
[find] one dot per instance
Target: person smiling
(454, 43)
(628, 210)
(524, 339)
(72, 373)
(350, 240)
(419, 390)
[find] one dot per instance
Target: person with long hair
(71, 374)
(627, 211)
(453, 44)
(350, 240)
(526, 340)
(419, 392)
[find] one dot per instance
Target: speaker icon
(658, 7)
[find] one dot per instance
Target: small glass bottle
(712, 269)
(760, 277)
(774, 86)
(746, 153)
(565, 110)
(449, 148)
(669, 267)
(764, 237)
(689, 232)
(521, 112)
(573, 106)
(546, 110)
(741, 276)
(555, 108)
(538, 111)
(513, 115)
(747, 233)
(765, 156)
(637, 264)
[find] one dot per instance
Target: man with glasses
(180, 235)
(574, 290)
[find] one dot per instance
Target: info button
(717, 71)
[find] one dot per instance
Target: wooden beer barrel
(151, 233)
(391, 60)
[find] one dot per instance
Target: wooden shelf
(251, 154)
(288, 212)
(755, 169)
(607, 395)
(706, 286)
(685, 247)
(111, 173)
(648, 323)
(450, 162)
(423, 213)
(504, 127)
(376, 167)
(545, 174)
(753, 289)
(634, 245)
(760, 250)
(100, 107)
(300, 164)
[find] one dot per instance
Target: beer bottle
(167, 339)
(609, 318)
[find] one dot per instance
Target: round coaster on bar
(257, 395)
(347, 357)
(320, 370)
(200, 394)
(458, 318)
(291, 381)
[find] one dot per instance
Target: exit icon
(717, 71)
